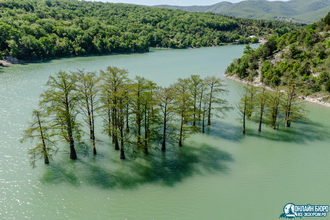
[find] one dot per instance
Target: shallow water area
(219, 175)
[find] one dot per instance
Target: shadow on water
(225, 131)
(176, 165)
(297, 133)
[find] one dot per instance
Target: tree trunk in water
(203, 122)
(287, 116)
(138, 118)
(122, 154)
(200, 105)
(46, 159)
(244, 123)
(164, 132)
(181, 132)
(145, 148)
(109, 122)
(43, 140)
(244, 112)
(288, 123)
(121, 127)
(210, 105)
(274, 119)
(127, 117)
(115, 125)
(94, 146)
(194, 123)
(116, 142)
(114, 132)
(73, 154)
(113, 121)
(260, 119)
(93, 135)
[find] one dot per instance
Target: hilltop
(293, 10)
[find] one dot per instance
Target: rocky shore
(9, 60)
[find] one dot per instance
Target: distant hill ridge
(303, 10)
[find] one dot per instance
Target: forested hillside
(40, 29)
(299, 57)
(303, 10)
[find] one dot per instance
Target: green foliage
(60, 101)
(269, 48)
(323, 77)
(34, 30)
(297, 55)
(327, 86)
(327, 19)
(40, 129)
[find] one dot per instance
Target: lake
(218, 175)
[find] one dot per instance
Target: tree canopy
(34, 30)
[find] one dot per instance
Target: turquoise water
(218, 175)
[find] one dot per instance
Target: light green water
(219, 175)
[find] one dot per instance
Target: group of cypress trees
(271, 107)
(136, 114)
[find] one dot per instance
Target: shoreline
(309, 99)
(9, 60)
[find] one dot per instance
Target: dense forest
(41, 29)
(299, 56)
(137, 114)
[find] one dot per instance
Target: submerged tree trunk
(145, 148)
(92, 131)
(164, 131)
(122, 152)
(115, 124)
(203, 122)
(73, 154)
(244, 122)
(200, 105)
(195, 100)
(127, 118)
(109, 122)
(244, 111)
(288, 112)
(210, 106)
(260, 119)
(181, 130)
(43, 140)
(274, 118)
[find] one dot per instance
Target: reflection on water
(298, 133)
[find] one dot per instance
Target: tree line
(271, 107)
(35, 30)
(136, 114)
